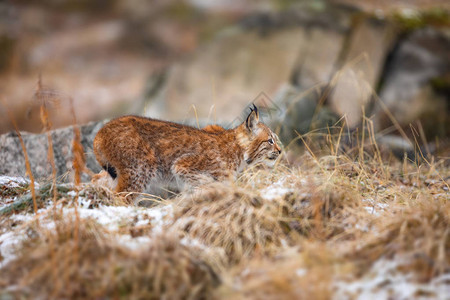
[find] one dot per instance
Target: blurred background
(308, 64)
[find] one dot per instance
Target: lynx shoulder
(141, 152)
(213, 128)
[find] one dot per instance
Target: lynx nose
(278, 149)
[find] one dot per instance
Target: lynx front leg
(134, 177)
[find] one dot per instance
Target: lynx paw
(104, 179)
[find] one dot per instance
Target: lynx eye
(270, 141)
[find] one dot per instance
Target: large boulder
(12, 160)
(225, 76)
(408, 93)
(358, 72)
(318, 56)
(253, 59)
(332, 56)
(295, 113)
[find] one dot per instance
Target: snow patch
(14, 181)
(385, 281)
(133, 243)
(9, 242)
(11, 181)
(276, 190)
(111, 217)
(301, 272)
(374, 207)
(192, 242)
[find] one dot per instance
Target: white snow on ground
(133, 243)
(374, 207)
(385, 281)
(276, 190)
(6, 201)
(9, 241)
(301, 272)
(113, 218)
(11, 181)
(195, 243)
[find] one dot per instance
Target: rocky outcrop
(294, 113)
(310, 68)
(225, 76)
(254, 58)
(408, 92)
(358, 72)
(12, 161)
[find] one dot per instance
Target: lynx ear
(252, 119)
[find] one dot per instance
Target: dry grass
(343, 233)
(295, 273)
(230, 218)
(287, 233)
(29, 173)
(420, 230)
(52, 264)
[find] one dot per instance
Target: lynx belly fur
(141, 152)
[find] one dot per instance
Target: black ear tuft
(252, 118)
(247, 121)
(255, 109)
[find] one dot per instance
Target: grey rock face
(332, 60)
(224, 77)
(407, 92)
(12, 160)
(256, 57)
(295, 112)
(356, 77)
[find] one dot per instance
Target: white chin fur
(270, 162)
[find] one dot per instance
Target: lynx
(142, 152)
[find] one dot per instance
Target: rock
(318, 56)
(330, 64)
(12, 161)
(407, 91)
(396, 145)
(225, 76)
(295, 112)
(256, 57)
(359, 71)
(300, 47)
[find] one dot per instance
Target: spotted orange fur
(213, 128)
(143, 152)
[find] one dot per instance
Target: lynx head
(259, 142)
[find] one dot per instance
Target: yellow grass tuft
(232, 219)
(47, 267)
(29, 173)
